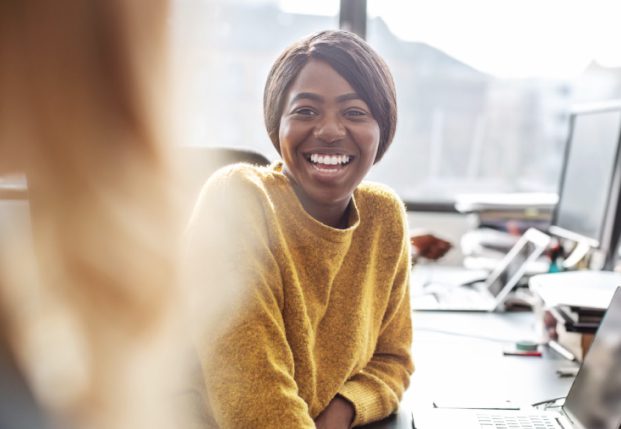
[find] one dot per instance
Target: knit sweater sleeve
(376, 391)
(247, 363)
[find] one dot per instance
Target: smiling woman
(328, 141)
(321, 336)
(321, 103)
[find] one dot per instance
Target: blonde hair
(82, 113)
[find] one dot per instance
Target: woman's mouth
(328, 162)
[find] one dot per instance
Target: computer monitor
(588, 203)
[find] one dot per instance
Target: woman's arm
(246, 360)
(249, 371)
(376, 391)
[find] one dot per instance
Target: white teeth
(329, 159)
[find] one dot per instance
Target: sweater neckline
(316, 227)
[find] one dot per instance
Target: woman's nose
(330, 129)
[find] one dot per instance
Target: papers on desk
(583, 289)
(466, 203)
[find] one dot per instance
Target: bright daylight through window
(484, 86)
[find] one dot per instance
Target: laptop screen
(514, 264)
(594, 399)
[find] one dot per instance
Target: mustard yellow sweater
(322, 311)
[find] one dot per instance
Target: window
(484, 87)
(225, 48)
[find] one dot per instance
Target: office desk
(458, 357)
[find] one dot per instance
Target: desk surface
(459, 356)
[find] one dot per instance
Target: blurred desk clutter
(468, 352)
(510, 212)
(481, 293)
(461, 363)
(497, 221)
(573, 304)
(480, 349)
(592, 401)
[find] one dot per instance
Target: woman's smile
(327, 167)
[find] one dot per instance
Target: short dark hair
(353, 59)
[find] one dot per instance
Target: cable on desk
(460, 334)
(562, 350)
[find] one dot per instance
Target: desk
(459, 356)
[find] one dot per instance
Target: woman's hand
(339, 414)
(429, 246)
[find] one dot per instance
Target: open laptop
(489, 294)
(593, 402)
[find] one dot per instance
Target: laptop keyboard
(498, 421)
(460, 299)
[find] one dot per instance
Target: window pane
(226, 48)
(484, 88)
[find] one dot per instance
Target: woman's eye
(355, 113)
(304, 111)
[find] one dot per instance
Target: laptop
(593, 402)
(488, 294)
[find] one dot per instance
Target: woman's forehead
(319, 78)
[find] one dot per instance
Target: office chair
(201, 162)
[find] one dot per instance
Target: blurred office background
(484, 86)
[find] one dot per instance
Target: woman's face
(328, 138)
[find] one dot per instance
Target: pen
(561, 350)
(521, 353)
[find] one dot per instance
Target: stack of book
(578, 319)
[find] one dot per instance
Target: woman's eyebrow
(348, 97)
(316, 97)
(306, 95)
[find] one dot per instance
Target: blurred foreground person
(88, 283)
